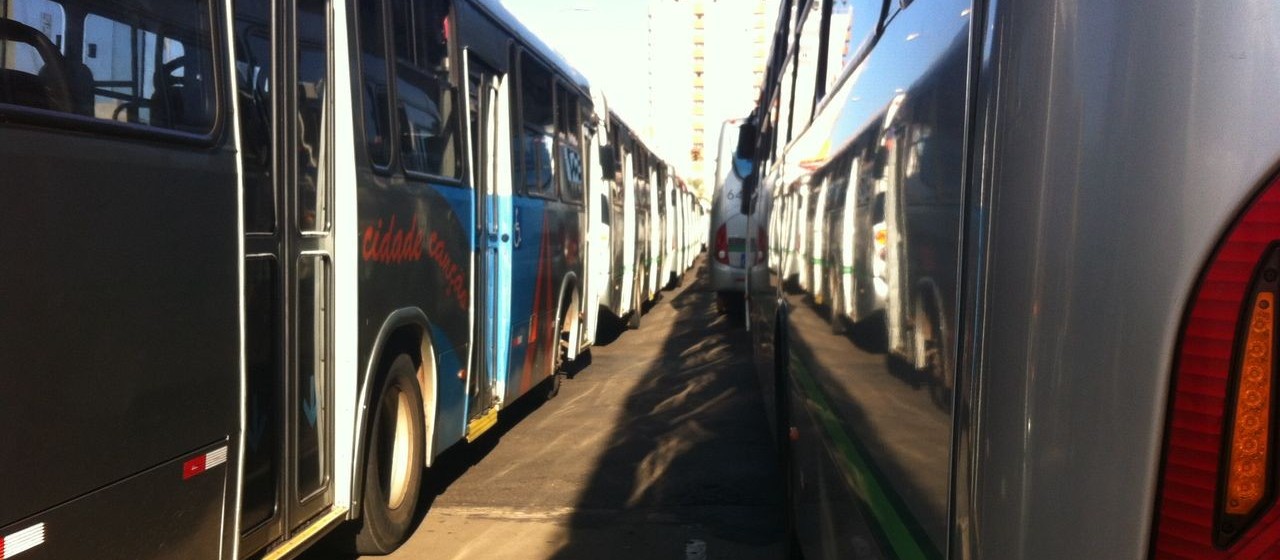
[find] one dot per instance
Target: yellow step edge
(482, 424)
(313, 532)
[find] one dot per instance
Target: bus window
(853, 22)
(373, 62)
(568, 138)
(786, 110)
(807, 47)
(312, 76)
(537, 114)
(253, 82)
(425, 97)
(46, 18)
(138, 62)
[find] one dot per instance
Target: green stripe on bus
(896, 523)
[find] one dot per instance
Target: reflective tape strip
(215, 458)
(201, 463)
(22, 541)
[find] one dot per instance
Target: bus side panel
(120, 321)
(171, 511)
(872, 406)
(533, 296)
(416, 244)
(1118, 154)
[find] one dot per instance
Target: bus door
(283, 84)
(599, 245)
(630, 228)
(490, 164)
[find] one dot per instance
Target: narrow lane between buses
(656, 447)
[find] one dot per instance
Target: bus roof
(530, 40)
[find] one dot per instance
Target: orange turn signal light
(1250, 432)
(1246, 484)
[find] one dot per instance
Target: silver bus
(728, 227)
(1058, 226)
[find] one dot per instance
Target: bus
(630, 173)
(728, 226)
(122, 318)
(1018, 266)
(270, 259)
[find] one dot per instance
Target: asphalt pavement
(657, 447)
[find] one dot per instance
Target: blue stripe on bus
(451, 392)
(527, 219)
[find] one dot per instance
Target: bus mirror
(879, 163)
(746, 141)
(608, 164)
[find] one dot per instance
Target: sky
(607, 40)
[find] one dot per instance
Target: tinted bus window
(147, 63)
(424, 95)
(537, 115)
(853, 22)
(253, 85)
(808, 45)
(568, 136)
(373, 61)
(312, 72)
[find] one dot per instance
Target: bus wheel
(633, 322)
(837, 310)
(558, 356)
(393, 461)
(928, 354)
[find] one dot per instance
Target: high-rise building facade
(706, 62)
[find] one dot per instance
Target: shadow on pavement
(690, 456)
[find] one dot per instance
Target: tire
(929, 359)
(394, 461)
(633, 321)
(836, 306)
(559, 352)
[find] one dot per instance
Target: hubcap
(401, 442)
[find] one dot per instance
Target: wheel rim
(401, 451)
(922, 327)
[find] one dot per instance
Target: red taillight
(1219, 474)
(722, 245)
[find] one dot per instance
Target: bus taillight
(722, 244)
(1217, 480)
